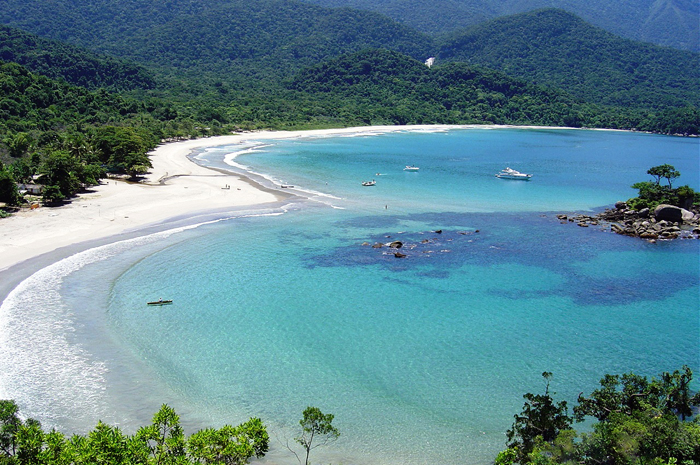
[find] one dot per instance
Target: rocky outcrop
(669, 213)
(666, 222)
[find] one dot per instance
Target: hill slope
(31, 102)
(228, 37)
(672, 23)
(555, 48)
(384, 87)
(76, 66)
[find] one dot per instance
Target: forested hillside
(555, 48)
(672, 23)
(383, 87)
(234, 44)
(76, 66)
(230, 38)
(33, 102)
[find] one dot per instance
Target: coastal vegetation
(635, 420)
(24, 442)
(51, 129)
(82, 105)
(654, 193)
(316, 430)
(631, 420)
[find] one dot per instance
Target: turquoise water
(422, 359)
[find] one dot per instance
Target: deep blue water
(422, 359)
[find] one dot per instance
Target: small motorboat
(160, 302)
(369, 183)
(411, 168)
(510, 173)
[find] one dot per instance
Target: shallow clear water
(422, 359)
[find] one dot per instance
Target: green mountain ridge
(557, 49)
(672, 23)
(231, 38)
(253, 45)
(283, 64)
(77, 66)
(385, 87)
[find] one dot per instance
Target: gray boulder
(687, 215)
(668, 213)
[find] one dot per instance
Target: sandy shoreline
(175, 187)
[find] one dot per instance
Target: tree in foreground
(160, 443)
(640, 421)
(230, 445)
(316, 430)
(542, 419)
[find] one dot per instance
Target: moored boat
(369, 183)
(160, 302)
(510, 173)
(411, 168)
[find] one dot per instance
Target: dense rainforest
(57, 60)
(671, 23)
(237, 41)
(557, 49)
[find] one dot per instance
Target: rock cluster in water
(423, 246)
(665, 222)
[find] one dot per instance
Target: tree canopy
(316, 430)
(653, 193)
(555, 48)
(637, 421)
(163, 442)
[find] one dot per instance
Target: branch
(286, 444)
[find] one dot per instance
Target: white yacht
(510, 173)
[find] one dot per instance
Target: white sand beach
(174, 187)
(116, 206)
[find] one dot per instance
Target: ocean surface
(422, 359)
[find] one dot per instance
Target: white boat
(411, 168)
(369, 183)
(510, 173)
